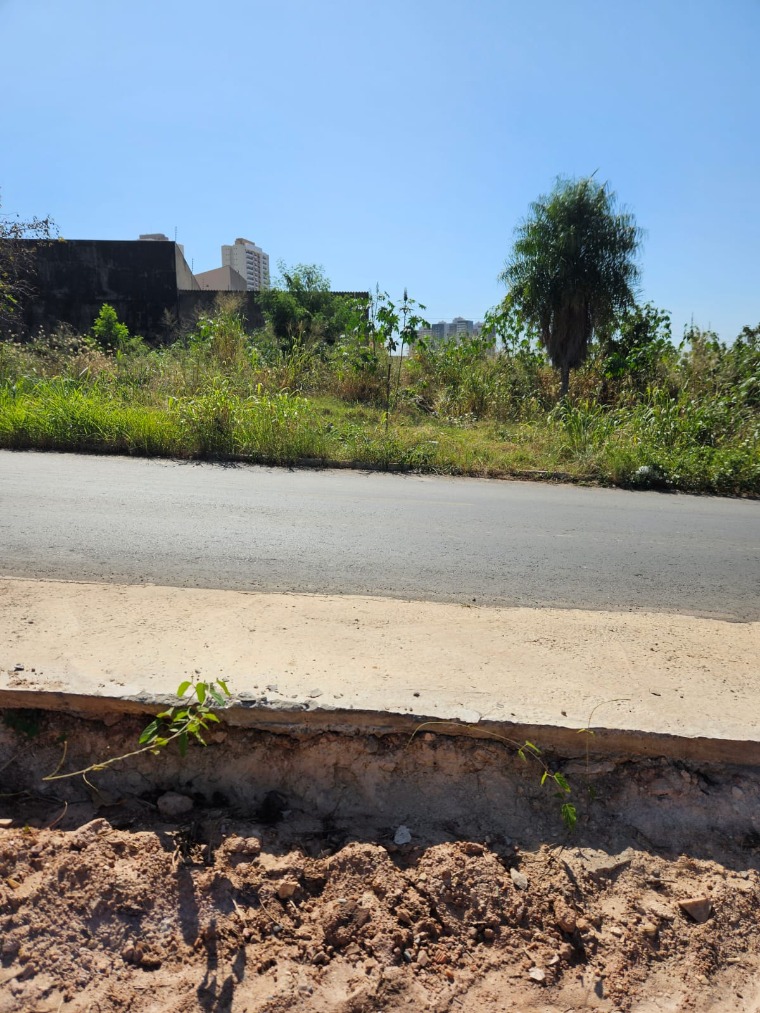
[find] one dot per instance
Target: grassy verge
(678, 443)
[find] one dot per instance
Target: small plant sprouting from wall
(526, 751)
(184, 722)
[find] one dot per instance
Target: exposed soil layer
(275, 898)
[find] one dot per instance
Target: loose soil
(272, 899)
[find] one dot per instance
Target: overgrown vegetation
(641, 411)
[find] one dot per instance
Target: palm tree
(573, 268)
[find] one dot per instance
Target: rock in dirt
(287, 888)
(403, 835)
(565, 952)
(250, 846)
(565, 916)
(537, 974)
(698, 908)
(172, 804)
(88, 833)
(519, 879)
(599, 863)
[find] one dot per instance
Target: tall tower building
(250, 261)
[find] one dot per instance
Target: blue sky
(395, 142)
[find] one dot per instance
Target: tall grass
(692, 422)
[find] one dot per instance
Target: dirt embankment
(332, 873)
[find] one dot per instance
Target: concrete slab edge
(307, 718)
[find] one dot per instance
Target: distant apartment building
(249, 261)
(450, 329)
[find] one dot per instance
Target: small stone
(648, 928)
(403, 835)
(286, 888)
(320, 958)
(314, 693)
(248, 846)
(18, 668)
(737, 792)
(88, 833)
(537, 974)
(5, 823)
(173, 804)
(565, 916)
(565, 951)
(519, 879)
(423, 958)
(698, 908)
(273, 688)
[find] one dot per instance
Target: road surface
(122, 520)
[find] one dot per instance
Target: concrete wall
(191, 305)
(186, 280)
(74, 277)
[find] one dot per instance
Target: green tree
(638, 347)
(573, 270)
(107, 330)
(301, 309)
(113, 336)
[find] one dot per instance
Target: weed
(526, 751)
(188, 720)
(181, 724)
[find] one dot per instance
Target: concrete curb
(305, 718)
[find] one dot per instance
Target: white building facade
(250, 261)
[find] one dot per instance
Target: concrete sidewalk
(674, 684)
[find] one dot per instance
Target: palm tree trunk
(565, 374)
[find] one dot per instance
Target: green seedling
(186, 721)
(527, 750)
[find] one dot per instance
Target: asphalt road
(124, 520)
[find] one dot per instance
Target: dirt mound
(225, 916)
